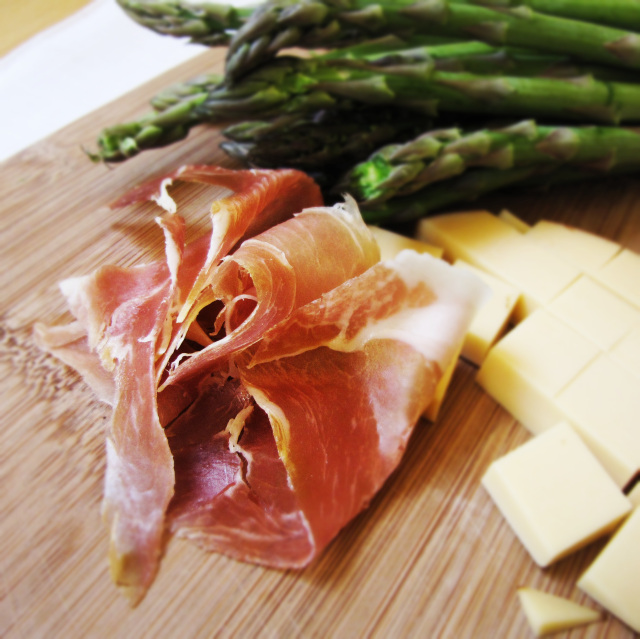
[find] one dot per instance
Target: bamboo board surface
(431, 557)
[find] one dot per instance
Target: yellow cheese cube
(465, 235)
(489, 243)
(627, 351)
(539, 274)
(603, 403)
(547, 613)
(595, 312)
(490, 322)
(613, 579)
(622, 275)
(634, 495)
(518, 224)
(587, 251)
(391, 244)
(554, 494)
(526, 370)
(441, 389)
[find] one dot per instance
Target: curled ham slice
(264, 379)
(287, 266)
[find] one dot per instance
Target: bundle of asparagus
(325, 143)
(400, 182)
(330, 23)
(423, 79)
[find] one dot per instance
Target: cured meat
(345, 379)
(282, 269)
(265, 378)
(235, 497)
(131, 318)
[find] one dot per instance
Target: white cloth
(76, 66)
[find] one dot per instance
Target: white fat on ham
(434, 329)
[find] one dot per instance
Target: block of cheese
(547, 613)
(627, 351)
(467, 236)
(526, 369)
(603, 403)
(513, 220)
(491, 321)
(622, 275)
(634, 494)
(491, 244)
(595, 311)
(539, 274)
(587, 251)
(441, 389)
(554, 494)
(391, 244)
(613, 579)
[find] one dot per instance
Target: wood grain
(431, 557)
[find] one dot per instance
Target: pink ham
(282, 269)
(345, 379)
(265, 378)
(131, 321)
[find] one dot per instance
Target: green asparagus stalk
(205, 23)
(295, 85)
(325, 143)
(213, 23)
(465, 188)
(278, 24)
(617, 13)
(469, 186)
(402, 169)
(475, 57)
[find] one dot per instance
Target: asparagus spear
(205, 23)
(474, 56)
(475, 183)
(328, 23)
(465, 188)
(617, 13)
(213, 23)
(295, 85)
(402, 169)
(324, 143)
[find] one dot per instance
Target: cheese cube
(391, 244)
(613, 579)
(526, 370)
(519, 225)
(622, 275)
(539, 274)
(490, 322)
(465, 236)
(634, 494)
(627, 351)
(587, 251)
(595, 312)
(547, 613)
(554, 494)
(603, 403)
(441, 389)
(489, 243)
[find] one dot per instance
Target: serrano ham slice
(345, 379)
(280, 270)
(132, 321)
(265, 379)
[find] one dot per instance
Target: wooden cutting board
(431, 557)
